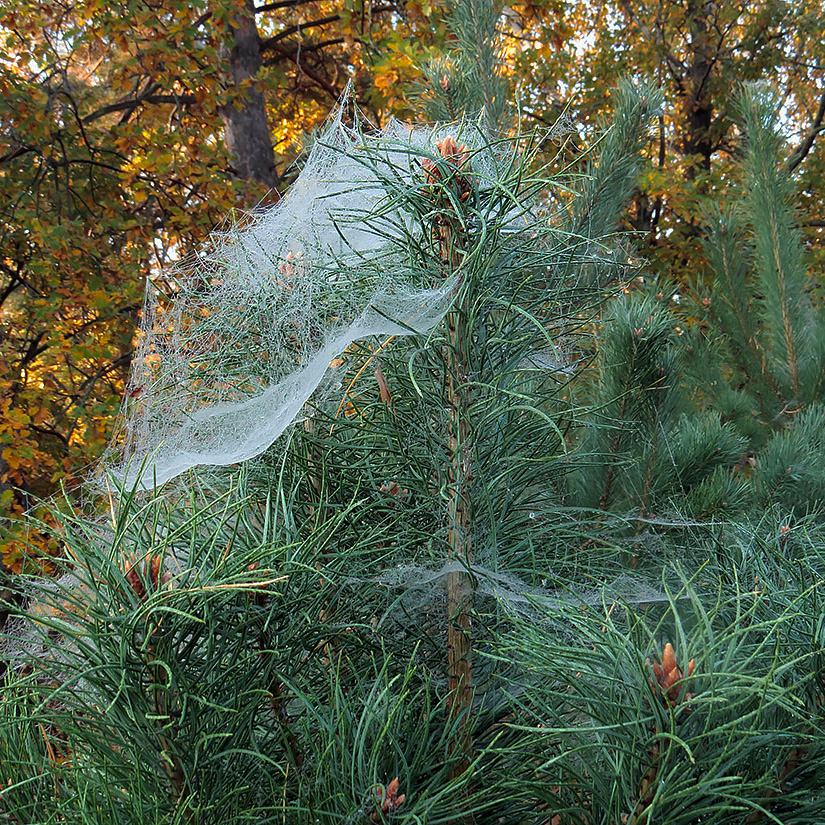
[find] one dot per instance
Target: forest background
(129, 130)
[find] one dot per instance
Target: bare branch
(297, 29)
(801, 152)
(131, 105)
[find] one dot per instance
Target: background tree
(129, 130)
(717, 408)
(698, 53)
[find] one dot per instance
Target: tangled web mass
(237, 341)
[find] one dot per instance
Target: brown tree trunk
(246, 129)
(698, 105)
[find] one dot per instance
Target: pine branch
(779, 253)
(726, 245)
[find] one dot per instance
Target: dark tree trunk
(245, 125)
(698, 105)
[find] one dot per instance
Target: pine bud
(668, 675)
(138, 580)
(388, 799)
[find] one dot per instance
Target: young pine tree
(763, 336)
(390, 614)
(308, 638)
(715, 410)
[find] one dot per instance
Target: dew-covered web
(46, 633)
(234, 344)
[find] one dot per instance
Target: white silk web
(238, 339)
(235, 343)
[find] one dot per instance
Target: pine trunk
(459, 586)
(459, 589)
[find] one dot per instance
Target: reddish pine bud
(667, 676)
(388, 799)
(137, 579)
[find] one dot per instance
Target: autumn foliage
(128, 130)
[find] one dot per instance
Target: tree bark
(246, 129)
(698, 105)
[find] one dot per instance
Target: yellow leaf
(11, 458)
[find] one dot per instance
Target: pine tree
(713, 408)
(400, 611)
(763, 334)
(648, 451)
(350, 695)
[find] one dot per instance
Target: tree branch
(282, 4)
(283, 55)
(297, 29)
(131, 105)
(801, 152)
(33, 349)
(312, 75)
(672, 60)
(17, 152)
(14, 283)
